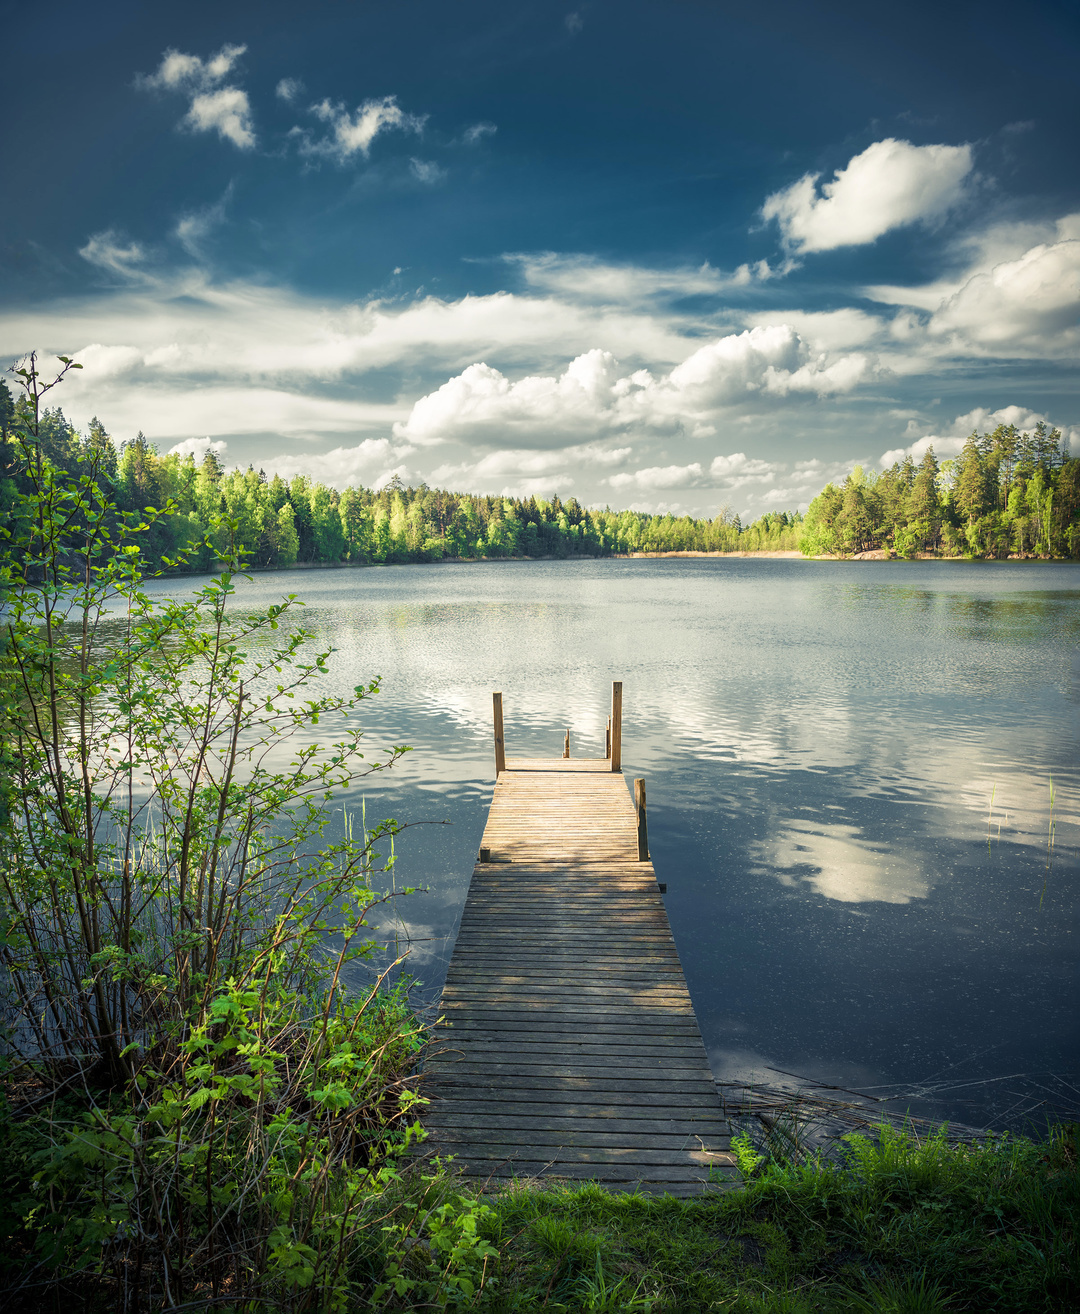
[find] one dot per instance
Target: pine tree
(972, 491)
(99, 445)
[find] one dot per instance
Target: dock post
(500, 747)
(607, 739)
(616, 725)
(566, 745)
(642, 824)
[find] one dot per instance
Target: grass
(907, 1225)
(897, 1224)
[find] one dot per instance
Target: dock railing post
(642, 824)
(616, 725)
(566, 745)
(500, 747)
(607, 739)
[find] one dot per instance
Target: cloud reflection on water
(839, 863)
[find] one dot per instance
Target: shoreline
(792, 554)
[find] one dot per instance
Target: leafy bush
(178, 934)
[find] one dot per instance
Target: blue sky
(669, 255)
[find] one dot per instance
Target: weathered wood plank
(539, 1151)
(606, 1085)
(526, 1043)
(539, 1054)
(618, 1143)
(567, 1068)
(495, 1020)
(612, 1124)
(474, 1102)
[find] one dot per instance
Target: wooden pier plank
(568, 1046)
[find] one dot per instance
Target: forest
(279, 523)
(1008, 493)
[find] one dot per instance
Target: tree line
(278, 522)
(1008, 493)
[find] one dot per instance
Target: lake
(849, 771)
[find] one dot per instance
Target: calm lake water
(849, 775)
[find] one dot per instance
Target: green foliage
(1007, 494)
(177, 932)
(277, 523)
(746, 1154)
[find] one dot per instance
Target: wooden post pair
(614, 754)
(614, 731)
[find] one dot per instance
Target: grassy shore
(899, 1224)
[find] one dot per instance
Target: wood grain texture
(568, 1046)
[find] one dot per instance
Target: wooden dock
(569, 1047)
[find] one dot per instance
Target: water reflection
(822, 744)
(839, 862)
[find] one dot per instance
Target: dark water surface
(821, 742)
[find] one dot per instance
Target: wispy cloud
(477, 132)
(194, 228)
(426, 171)
(351, 133)
(288, 89)
(108, 251)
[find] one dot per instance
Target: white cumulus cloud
(178, 71)
(198, 447)
(1015, 298)
(213, 107)
(771, 358)
(522, 471)
(593, 398)
(949, 439)
(889, 184)
(1029, 306)
(226, 110)
(372, 462)
(730, 472)
(482, 406)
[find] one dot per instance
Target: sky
(673, 255)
